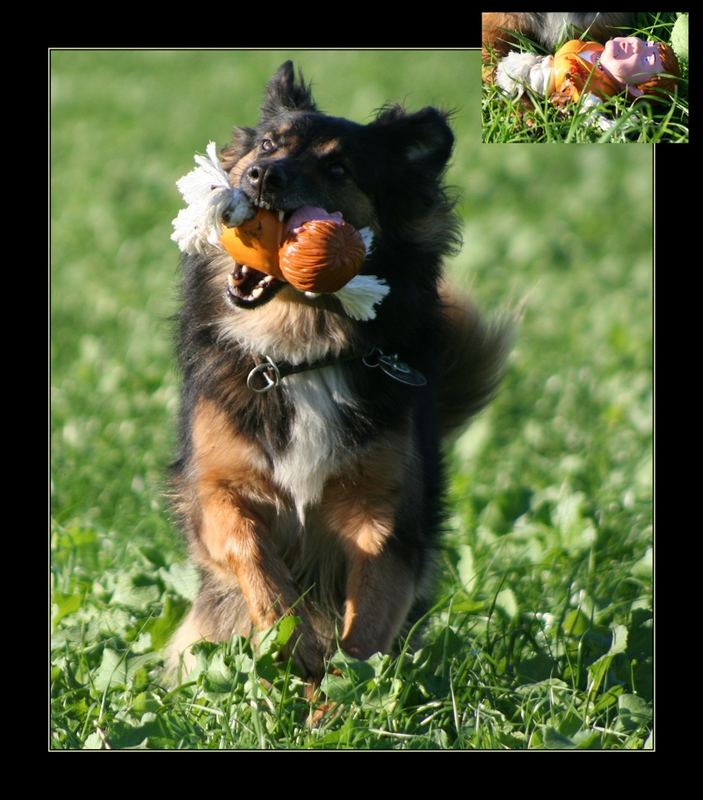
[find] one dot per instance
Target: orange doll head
(644, 67)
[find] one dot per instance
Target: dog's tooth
(245, 270)
(257, 292)
(281, 214)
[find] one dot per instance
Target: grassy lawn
(506, 121)
(542, 632)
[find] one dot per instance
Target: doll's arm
(593, 117)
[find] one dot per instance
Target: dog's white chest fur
(315, 451)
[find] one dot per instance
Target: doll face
(631, 60)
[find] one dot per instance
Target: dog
(548, 28)
(323, 496)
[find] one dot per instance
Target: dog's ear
(284, 93)
(422, 139)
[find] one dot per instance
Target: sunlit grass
(507, 121)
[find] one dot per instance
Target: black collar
(268, 373)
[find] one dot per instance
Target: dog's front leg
(379, 593)
(237, 538)
(362, 509)
(231, 506)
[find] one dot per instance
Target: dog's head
(385, 175)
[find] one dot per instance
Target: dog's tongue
(306, 214)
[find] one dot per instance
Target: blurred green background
(550, 490)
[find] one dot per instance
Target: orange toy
(319, 255)
(256, 242)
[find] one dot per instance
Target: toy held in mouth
(314, 252)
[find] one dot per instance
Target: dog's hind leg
(217, 613)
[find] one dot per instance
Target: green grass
(542, 632)
(506, 121)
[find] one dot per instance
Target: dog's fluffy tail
(475, 357)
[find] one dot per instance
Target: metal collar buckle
(269, 372)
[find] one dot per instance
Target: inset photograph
(566, 77)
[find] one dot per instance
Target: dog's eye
(337, 170)
(267, 145)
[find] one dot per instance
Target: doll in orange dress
(601, 71)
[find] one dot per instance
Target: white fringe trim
(518, 71)
(208, 194)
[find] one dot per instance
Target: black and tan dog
(323, 496)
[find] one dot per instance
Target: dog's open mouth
(248, 288)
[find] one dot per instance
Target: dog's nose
(267, 177)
